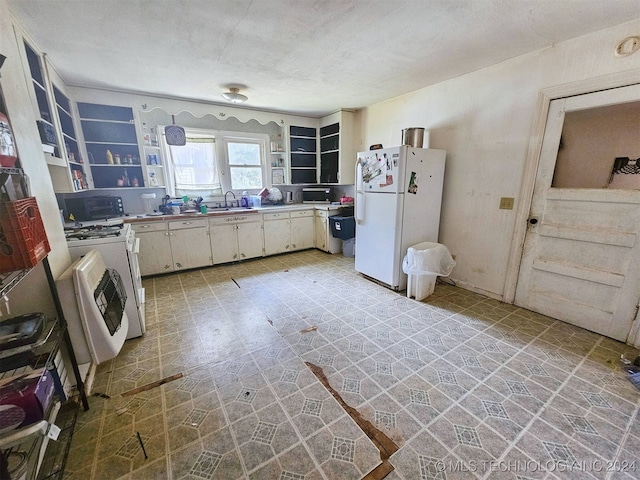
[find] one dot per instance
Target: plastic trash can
(423, 263)
(349, 247)
(342, 227)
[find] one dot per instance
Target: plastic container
(423, 264)
(342, 227)
(23, 239)
(349, 247)
(149, 200)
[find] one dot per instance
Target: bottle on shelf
(127, 182)
(154, 138)
(109, 157)
(134, 182)
(116, 158)
(146, 136)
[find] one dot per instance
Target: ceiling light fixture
(234, 96)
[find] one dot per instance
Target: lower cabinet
(167, 246)
(302, 229)
(323, 239)
(236, 238)
(190, 245)
(170, 246)
(155, 250)
(277, 233)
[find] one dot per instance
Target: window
(213, 162)
(195, 169)
(245, 164)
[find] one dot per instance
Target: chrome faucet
(225, 198)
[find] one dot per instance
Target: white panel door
(581, 252)
(377, 237)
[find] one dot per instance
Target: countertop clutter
(215, 212)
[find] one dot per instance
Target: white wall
(32, 294)
(484, 120)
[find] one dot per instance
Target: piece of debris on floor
(142, 445)
(151, 385)
(385, 445)
(309, 329)
(234, 281)
(101, 395)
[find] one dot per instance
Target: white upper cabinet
(337, 148)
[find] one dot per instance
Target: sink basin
(230, 209)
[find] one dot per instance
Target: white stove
(119, 247)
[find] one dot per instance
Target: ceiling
(308, 57)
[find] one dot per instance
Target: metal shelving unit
(32, 439)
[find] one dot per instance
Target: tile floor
(467, 386)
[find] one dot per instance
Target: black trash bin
(342, 226)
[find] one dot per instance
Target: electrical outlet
(506, 203)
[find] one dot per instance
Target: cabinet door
(277, 236)
(321, 232)
(302, 233)
(250, 242)
(190, 248)
(224, 243)
(155, 252)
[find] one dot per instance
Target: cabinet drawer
(187, 223)
(302, 213)
(149, 227)
(275, 216)
(232, 219)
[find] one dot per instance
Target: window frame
(221, 139)
(253, 139)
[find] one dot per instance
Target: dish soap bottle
(244, 200)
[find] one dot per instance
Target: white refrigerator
(397, 205)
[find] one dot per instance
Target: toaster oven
(94, 208)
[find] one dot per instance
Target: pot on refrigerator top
(414, 137)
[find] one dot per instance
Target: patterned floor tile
(468, 386)
(343, 451)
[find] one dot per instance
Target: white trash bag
(423, 263)
(428, 257)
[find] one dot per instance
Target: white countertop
(221, 212)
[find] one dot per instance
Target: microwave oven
(317, 195)
(94, 208)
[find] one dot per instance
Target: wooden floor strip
(385, 445)
(381, 471)
(151, 385)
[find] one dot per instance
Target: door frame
(545, 97)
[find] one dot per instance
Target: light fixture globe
(234, 96)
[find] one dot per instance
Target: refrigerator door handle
(359, 175)
(359, 210)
